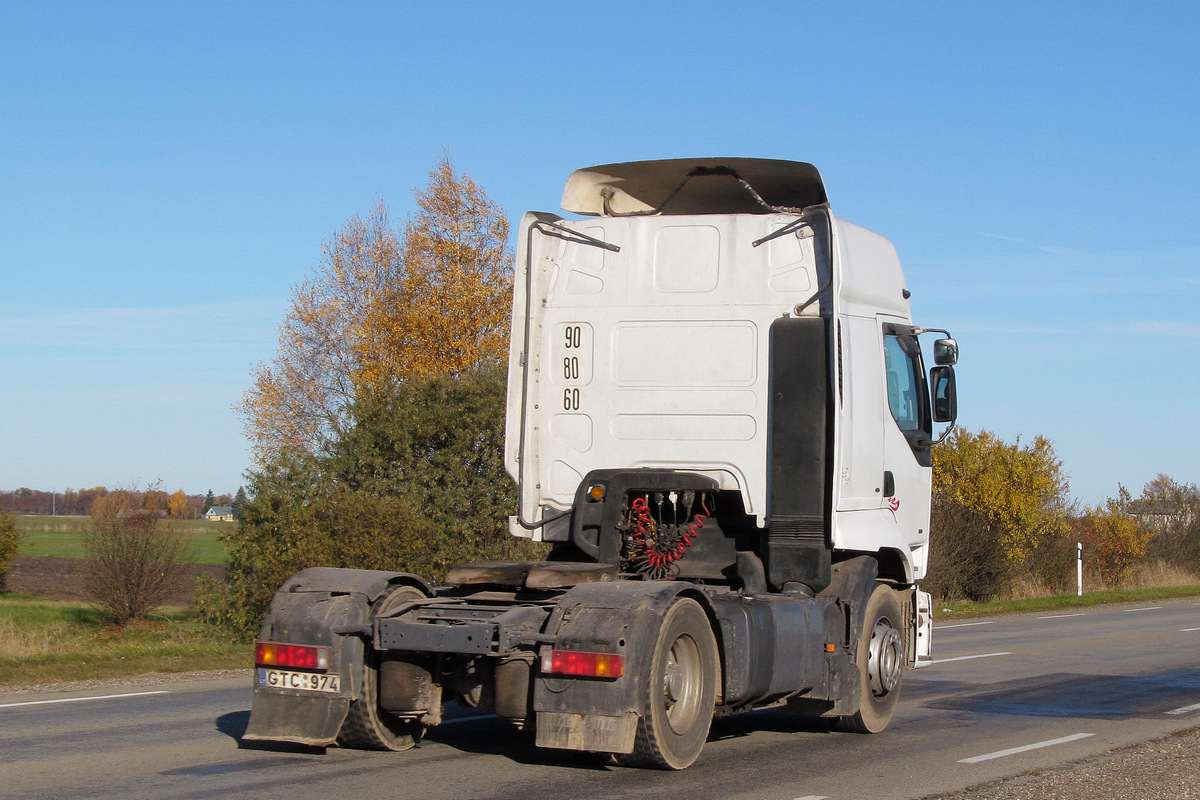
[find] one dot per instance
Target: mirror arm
(945, 433)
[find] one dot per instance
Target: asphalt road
(1004, 696)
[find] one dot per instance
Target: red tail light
(296, 656)
(576, 662)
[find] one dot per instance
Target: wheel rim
(682, 676)
(885, 658)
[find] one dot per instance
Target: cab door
(907, 439)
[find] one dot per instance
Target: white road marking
(962, 625)
(1012, 751)
(1147, 608)
(1188, 630)
(1185, 709)
(1063, 616)
(81, 699)
(968, 658)
(814, 797)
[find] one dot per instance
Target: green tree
(239, 503)
(416, 484)
(995, 505)
(438, 444)
(10, 545)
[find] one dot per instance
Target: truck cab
(713, 318)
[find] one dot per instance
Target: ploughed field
(56, 578)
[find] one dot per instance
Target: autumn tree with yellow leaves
(178, 505)
(1115, 538)
(386, 306)
(1000, 511)
(449, 311)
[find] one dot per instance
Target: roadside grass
(47, 641)
(1027, 605)
(62, 537)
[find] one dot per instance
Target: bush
(1052, 565)
(10, 543)
(966, 559)
(137, 560)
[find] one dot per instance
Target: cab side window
(903, 384)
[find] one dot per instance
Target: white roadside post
(1079, 570)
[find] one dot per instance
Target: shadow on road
(1074, 695)
(771, 720)
(490, 735)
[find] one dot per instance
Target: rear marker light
(297, 656)
(577, 662)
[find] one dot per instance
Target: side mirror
(945, 395)
(945, 351)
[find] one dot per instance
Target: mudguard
(320, 606)
(623, 617)
(854, 580)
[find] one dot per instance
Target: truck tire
(681, 693)
(880, 660)
(367, 726)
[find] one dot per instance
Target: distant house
(1162, 515)
(219, 514)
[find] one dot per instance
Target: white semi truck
(719, 417)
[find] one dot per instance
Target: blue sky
(168, 171)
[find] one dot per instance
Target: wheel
(880, 660)
(367, 726)
(682, 691)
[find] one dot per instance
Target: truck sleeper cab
(720, 418)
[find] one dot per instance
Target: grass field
(63, 537)
(46, 641)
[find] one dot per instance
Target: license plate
(302, 681)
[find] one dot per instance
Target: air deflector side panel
(796, 546)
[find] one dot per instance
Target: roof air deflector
(694, 186)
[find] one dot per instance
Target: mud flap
(289, 715)
(303, 720)
(594, 732)
(597, 714)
